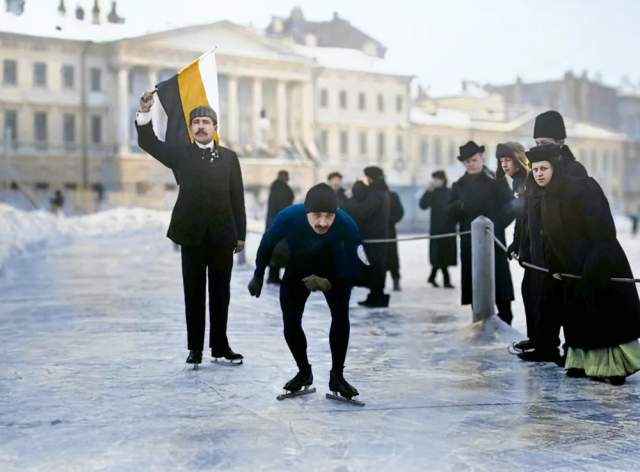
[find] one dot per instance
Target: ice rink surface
(92, 378)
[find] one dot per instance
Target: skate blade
(340, 398)
(512, 349)
(195, 366)
(299, 393)
(223, 361)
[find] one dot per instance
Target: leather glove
(255, 286)
(513, 250)
(314, 283)
(239, 247)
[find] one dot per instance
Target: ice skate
(194, 358)
(226, 356)
(341, 390)
(299, 385)
(519, 347)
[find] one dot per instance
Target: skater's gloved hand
(313, 283)
(255, 286)
(512, 251)
(239, 247)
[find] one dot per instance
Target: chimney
(95, 12)
(113, 16)
(62, 10)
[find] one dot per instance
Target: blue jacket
(333, 255)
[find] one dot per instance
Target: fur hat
(201, 111)
(374, 172)
(549, 125)
(545, 152)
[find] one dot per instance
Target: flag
(194, 85)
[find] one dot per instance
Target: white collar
(205, 146)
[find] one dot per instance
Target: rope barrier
(560, 275)
(416, 238)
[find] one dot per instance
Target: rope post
(482, 268)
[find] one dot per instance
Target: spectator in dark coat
(334, 179)
(601, 317)
(443, 252)
(208, 221)
(371, 213)
(549, 128)
(280, 197)
(473, 195)
(396, 212)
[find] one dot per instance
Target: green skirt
(622, 360)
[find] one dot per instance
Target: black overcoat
(473, 196)
(211, 194)
(442, 252)
(581, 240)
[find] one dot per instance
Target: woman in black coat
(478, 194)
(601, 317)
(443, 253)
(280, 197)
(370, 209)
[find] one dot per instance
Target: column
(281, 114)
(307, 114)
(153, 77)
(257, 109)
(233, 127)
(123, 118)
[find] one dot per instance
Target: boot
(539, 355)
(304, 378)
(228, 354)
(195, 357)
(378, 301)
(575, 373)
(339, 385)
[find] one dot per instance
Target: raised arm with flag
(208, 220)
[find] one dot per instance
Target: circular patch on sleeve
(362, 255)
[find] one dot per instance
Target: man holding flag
(208, 220)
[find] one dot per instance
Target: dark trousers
(293, 297)
(197, 263)
(549, 320)
(377, 271)
(445, 274)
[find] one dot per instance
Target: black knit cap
(201, 111)
(374, 172)
(468, 150)
(544, 152)
(549, 125)
(321, 199)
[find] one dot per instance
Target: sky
(444, 42)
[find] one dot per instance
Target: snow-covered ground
(92, 374)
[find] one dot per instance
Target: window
(68, 128)
(344, 143)
(380, 102)
(68, 77)
(400, 145)
(96, 129)
(399, 103)
(605, 162)
(594, 161)
(437, 151)
(343, 99)
(324, 98)
(324, 142)
(363, 143)
(96, 79)
(362, 101)
(424, 150)
(9, 72)
(11, 125)
(39, 74)
(381, 147)
(40, 126)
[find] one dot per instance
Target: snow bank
(23, 230)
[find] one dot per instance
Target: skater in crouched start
(324, 255)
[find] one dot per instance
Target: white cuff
(143, 118)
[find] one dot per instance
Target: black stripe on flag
(177, 132)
